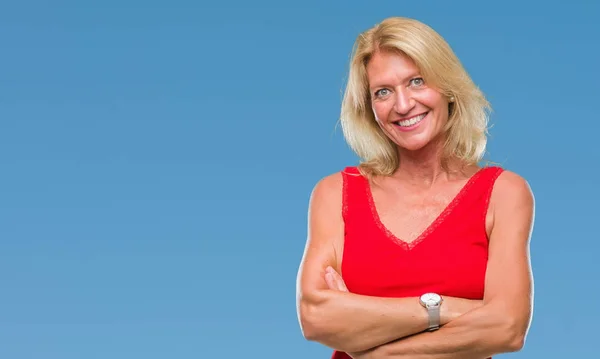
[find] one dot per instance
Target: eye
(382, 92)
(417, 81)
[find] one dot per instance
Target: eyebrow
(386, 83)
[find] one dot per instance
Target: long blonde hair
(466, 129)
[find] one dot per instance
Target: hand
(334, 280)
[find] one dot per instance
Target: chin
(412, 148)
(414, 145)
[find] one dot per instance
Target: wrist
(432, 302)
(448, 312)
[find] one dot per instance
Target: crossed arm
(371, 327)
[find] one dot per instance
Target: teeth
(411, 121)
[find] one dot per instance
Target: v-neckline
(432, 226)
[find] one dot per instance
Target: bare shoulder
(328, 191)
(512, 204)
(512, 189)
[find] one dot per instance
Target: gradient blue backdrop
(157, 157)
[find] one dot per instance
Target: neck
(424, 166)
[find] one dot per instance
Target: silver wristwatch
(432, 302)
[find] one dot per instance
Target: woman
(417, 252)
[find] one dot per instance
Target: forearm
(351, 322)
(479, 334)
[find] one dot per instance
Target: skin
(399, 92)
(408, 201)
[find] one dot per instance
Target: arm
(501, 324)
(339, 319)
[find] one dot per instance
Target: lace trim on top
(429, 229)
(345, 188)
(488, 196)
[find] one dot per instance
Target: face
(411, 113)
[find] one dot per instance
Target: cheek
(380, 110)
(432, 99)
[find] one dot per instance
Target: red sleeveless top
(448, 258)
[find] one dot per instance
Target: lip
(410, 128)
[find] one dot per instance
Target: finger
(341, 283)
(331, 282)
(337, 282)
(343, 286)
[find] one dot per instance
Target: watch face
(431, 299)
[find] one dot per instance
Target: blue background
(157, 159)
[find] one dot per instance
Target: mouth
(410, 122)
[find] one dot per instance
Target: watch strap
(434, 317)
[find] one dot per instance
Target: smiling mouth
(411, 121)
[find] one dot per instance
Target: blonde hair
(466, 129)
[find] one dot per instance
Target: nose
(404, 102)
